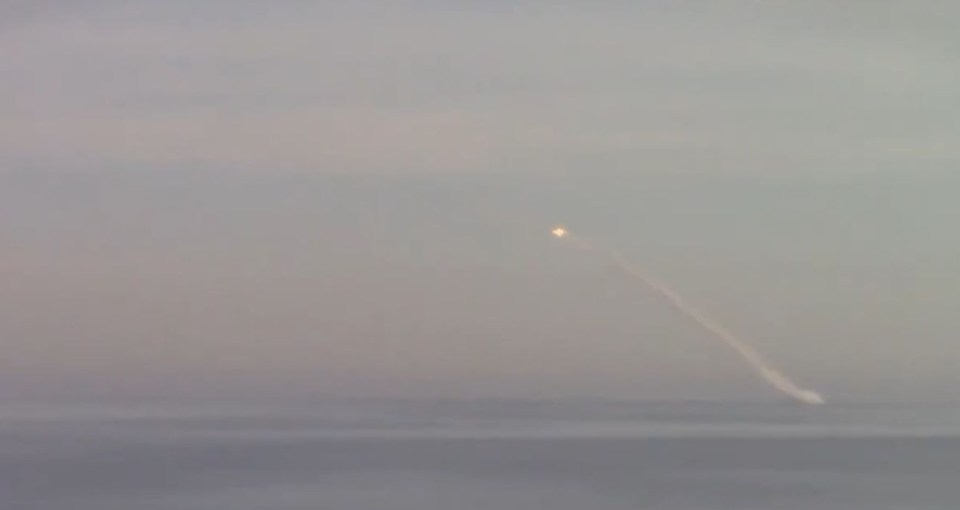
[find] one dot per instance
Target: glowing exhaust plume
(758, 363)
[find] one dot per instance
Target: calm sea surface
(488, 455)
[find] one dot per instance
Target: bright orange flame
(559, 232)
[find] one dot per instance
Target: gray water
(488, 455)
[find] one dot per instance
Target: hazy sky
(307, 198)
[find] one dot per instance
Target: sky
(317, 199)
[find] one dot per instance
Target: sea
(479, 455)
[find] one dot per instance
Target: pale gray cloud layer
(428, 86)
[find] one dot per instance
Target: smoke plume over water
(761, 366)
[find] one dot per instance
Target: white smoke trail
(757, 362)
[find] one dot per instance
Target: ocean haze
(200, 283)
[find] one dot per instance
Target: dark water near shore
(480, 455)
